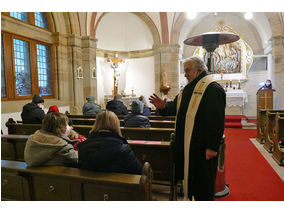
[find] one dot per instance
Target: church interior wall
(134, 37)
(123, 32)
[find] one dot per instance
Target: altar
(235, 102)
(127, 100)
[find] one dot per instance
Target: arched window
(27, 65)
(20, 15)
(41, 20)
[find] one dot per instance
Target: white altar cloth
(236, 98)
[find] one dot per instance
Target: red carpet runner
(234, 121)
(248, 174)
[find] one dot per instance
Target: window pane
(44, 70)
(41, 20)
(22, 68)
(20, 15)
(3, 82)
(259, 63)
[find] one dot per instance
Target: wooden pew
(56, 183)
(268, 130)
(278, 134)
(151, 117)
(130, 133)
(13, 146)
(157, 153)
(261, 123)
(154, 123)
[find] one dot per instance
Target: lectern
(265, 99)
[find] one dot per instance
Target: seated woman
(146, 108)
(135, 118)
(50, 146)
(106, 150)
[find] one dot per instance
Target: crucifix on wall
(114, 64)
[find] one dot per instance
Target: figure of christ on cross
(114, 64)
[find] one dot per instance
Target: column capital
(89, 42)
(59, 39)
(74, 40)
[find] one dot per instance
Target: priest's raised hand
(158, 102)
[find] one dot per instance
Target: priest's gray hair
(197, 62)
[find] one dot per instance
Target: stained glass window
(41, 20)
(3, 83)
(44, 70)
(22, 68)
(20, 15)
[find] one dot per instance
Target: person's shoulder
(142, 117)
(216, 87)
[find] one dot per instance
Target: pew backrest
(157, 153)
(154, 123)
(56, 183)
(150, 134)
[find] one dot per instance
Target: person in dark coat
(207, 131)
(117, 106)
(33, 112)
(105, 149)
(146, 108)
(91, 108)
(135, 118)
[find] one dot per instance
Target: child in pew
(135, 118)
(105, 150)
(146, 108)
(50, 145)
(73, 135)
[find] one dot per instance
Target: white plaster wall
(171, 16)
(82, 19)
(251, 87)
(123, 32)
(137, 74)
(279, 93)
(17, 117)
(155, 16)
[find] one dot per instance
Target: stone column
(277, 43)
(62, 68)
(76, 81)
(166, 60)
(89, 46)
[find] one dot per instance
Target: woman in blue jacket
(106, 150)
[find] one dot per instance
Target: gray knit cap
(137, 107)
(90, 98)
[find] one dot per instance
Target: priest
(200, 122)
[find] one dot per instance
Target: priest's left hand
(210, 154)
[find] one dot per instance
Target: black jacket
(134, 120)
(107, 152)
(117, 107)
(32, 114)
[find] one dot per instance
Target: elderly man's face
(190, 72)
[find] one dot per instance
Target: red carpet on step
(234, 121)
(249, 175)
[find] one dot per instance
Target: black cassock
(207, 134)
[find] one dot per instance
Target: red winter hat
(53, 108)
